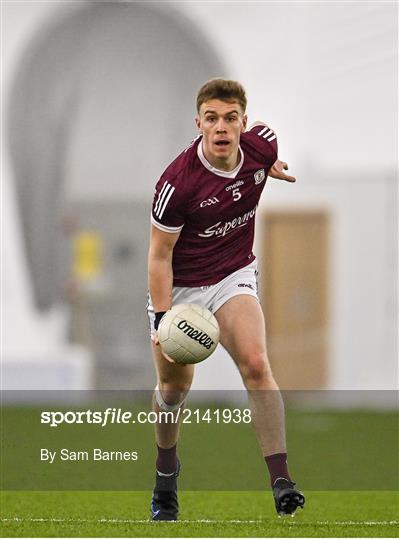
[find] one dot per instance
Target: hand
(155, 340)
(158, 317)
(277, 172)
(168, 358)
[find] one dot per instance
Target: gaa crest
(259, 176)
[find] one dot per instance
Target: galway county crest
(259, 176)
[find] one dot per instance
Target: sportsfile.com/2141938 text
(114, 415)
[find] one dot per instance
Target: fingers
(279, 175)
(277, 171)
(288, 178)
(155, 340)
(168, 358)
(280, 165)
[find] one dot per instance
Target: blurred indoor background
(99, 97)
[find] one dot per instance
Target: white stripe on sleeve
(160, 194)
(165, 203)
(164, 196)
(262, 131)
(164, 227)
(267, 134)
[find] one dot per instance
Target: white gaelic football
(188, 333)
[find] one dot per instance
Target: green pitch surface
(203, 514)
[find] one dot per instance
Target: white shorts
(243, 281)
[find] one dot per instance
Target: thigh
(242, 328)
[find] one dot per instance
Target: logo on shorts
(202, 338)
(259, 176)
(248, 285)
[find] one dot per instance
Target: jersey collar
(218, 172)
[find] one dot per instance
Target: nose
(221, 126)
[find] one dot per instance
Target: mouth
(222, 143)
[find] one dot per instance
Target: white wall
(324, 76)
(362, 321)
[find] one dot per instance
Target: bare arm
(160, 273)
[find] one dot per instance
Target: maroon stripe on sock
(277, 465)
(166, 460)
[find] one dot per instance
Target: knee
(173, 391)
(256, 370)
(178, 380)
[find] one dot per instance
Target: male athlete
(202, 234)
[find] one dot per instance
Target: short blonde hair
(223, 89)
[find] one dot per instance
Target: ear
(198, 124)
(244, 123)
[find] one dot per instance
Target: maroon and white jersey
(213, 209)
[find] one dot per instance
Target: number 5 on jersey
(236, 194)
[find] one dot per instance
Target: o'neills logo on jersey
(235, 185)
(221, 229)
(202, 338)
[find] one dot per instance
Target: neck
(227, 164)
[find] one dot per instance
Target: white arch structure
(79, 54)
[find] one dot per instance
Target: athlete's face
(221, 124)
